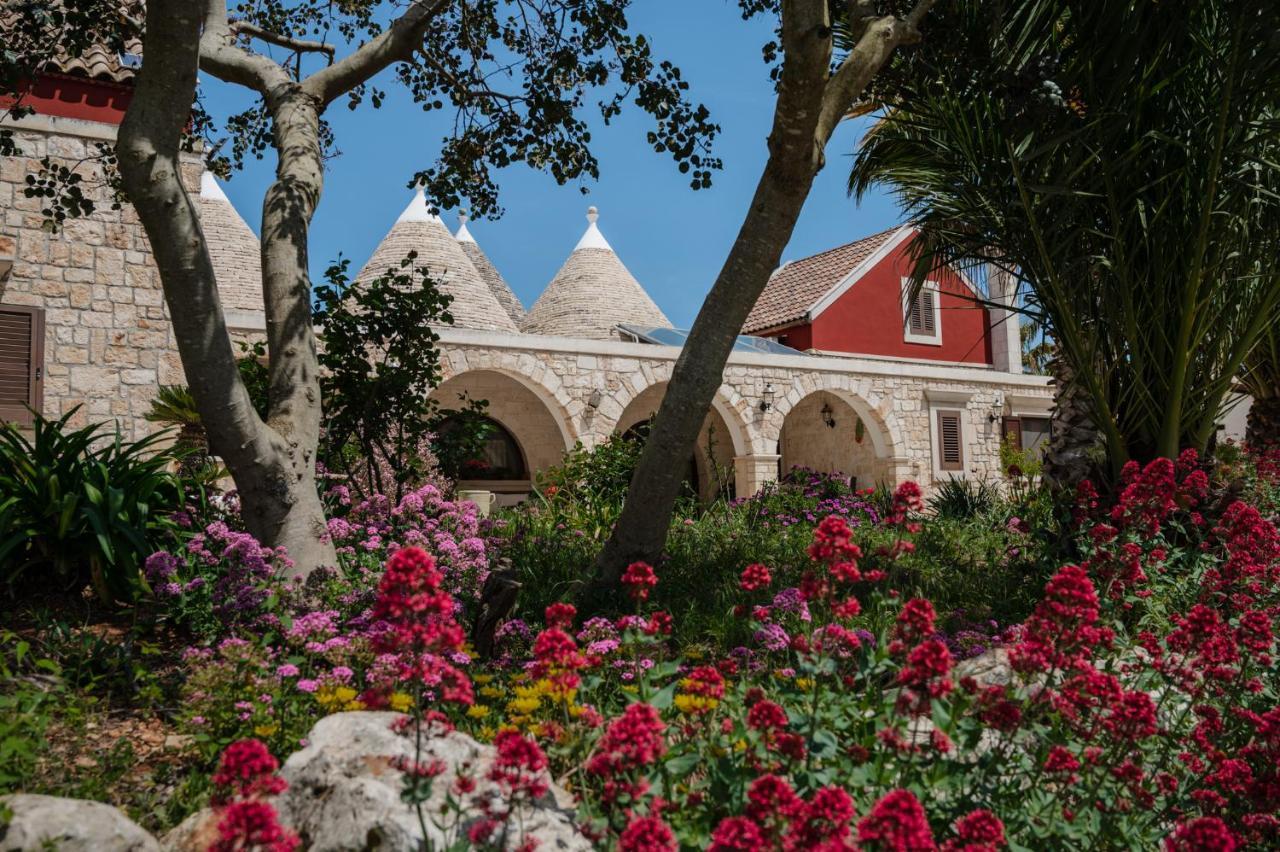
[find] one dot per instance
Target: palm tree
(1118, 157)
(175, 406)
(1260, 378)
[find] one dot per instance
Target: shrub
(84, 504)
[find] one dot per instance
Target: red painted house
(853, 299)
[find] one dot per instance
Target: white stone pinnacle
(593, 238)
(464, 234)
(418, 211)
(211, 189)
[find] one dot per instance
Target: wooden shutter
(1012, 429)
(950, 441)
(915, 318)
(929, 324)
(21, 362)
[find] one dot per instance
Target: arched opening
(825, 433)
(709, 473)
(492, 452)
(523, 434)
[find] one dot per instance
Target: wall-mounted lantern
(766, 398)
(828, 416)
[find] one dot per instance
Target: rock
(990, 669)
(69, 825)
(344, 794)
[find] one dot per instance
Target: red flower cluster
(245, 775)
(1205, 834)
(755, 577)
(518, 767)
(906, 500)
(1062, 631)
(561, 615)
(976, 831)
(897, 822)
(915, 623)
(924, 676)
(647, 834)
(246, 770)
(419, 625)
(639, 579)
(766, 716)
(557, 658)
(632, 742)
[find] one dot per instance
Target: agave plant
(1119, 158)
(175, 406)
(84, 504)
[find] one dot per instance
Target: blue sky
(673, 239)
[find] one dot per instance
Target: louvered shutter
(1012, 429)
(915, 320)
(928, 320)
(950, 441)
(21, 362)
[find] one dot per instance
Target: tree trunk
(272, 463)
(1262, 426)
(1075, 444)
(810, 103)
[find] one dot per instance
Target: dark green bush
(85, 505)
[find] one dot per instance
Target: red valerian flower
(755, 577)
(631, 741)
(736, 834)
(246, 770)
(822, 822)
(831, 541)
(915, 622)
(924, 676)
(1062, 630)
(561, 615)
(770, 800)
(1060, 760)
(766, 716)
(897, 822)
(647, 834)
(518, 766)
(1203, 834)
(639, 579)
(252, 825)
(977, 831)
(705, 681)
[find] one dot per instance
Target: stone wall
(591, 388)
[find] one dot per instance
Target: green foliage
(30, 692)
(84, 504)
(255, 374)
(379, 365)
(1119, 158)
(963, 499)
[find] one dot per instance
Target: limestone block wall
(588, 387)
(108, 341)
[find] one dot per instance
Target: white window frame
(936, 400)
(910, 336)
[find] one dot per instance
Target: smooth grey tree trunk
(811, 101)
(272, 461)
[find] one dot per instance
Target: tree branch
(297, 44)
(880, 37)
(395, 44)
(224, 59)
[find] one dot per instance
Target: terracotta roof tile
(97, 62)
(797, 286)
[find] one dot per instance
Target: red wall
(867, 319)
(77, 97)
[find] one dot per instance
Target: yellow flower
(354, 705)
(523, 706)
(804, 684)
(477, 711)
(487, 733)
(400, 702)
(490, 692)
(630, 687)
(265, 730)
(740, 745)
(695, 704)
(482, 679)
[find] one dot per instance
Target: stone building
(841, 368)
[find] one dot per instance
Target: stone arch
(525, 408)
(723, 419)
(802, 435)
(531, 373)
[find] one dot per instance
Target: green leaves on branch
(1120, 158)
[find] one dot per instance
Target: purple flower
(772, 637)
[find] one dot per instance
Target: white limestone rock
(38, 823)
(344, 793)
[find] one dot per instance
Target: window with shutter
(922, 321)
(1012, 432)
(21, 363)
(950, 441)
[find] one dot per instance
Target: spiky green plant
(1120, 158)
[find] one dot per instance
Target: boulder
(344, 793)
(990, 669)
(37, 823)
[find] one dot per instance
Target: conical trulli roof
(497, 284)
(233, 248)
(592, 293)
(420, 230)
